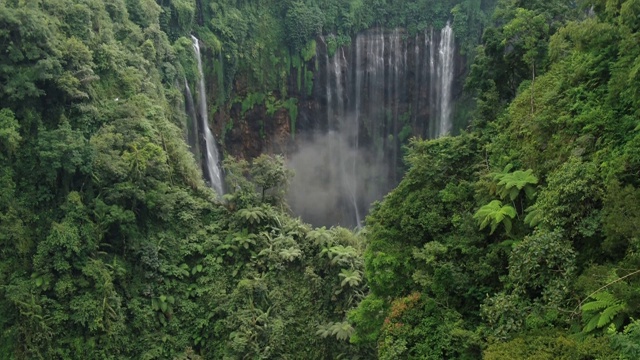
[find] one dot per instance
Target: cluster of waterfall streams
(380, 90)
(200, 137)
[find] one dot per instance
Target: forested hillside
(112, 247)
(517, 239)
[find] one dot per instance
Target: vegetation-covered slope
(111, 247)
(519, 239)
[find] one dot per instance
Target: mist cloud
(335, 182)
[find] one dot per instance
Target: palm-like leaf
(252, 215)
(602, 311)
(342, 331)
(494, 214)
(324, 330)
(509, 184)
(244, 239)
(534, 216)
(350, 276)
(321, 237)
(290, 254)
(341, 255)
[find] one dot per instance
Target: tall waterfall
(373, 95)
(210, 163)
(445, 74)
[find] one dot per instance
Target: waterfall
(446, 53)
(192, 126)
(434, 94)
(379, 90)
(342, 132)
(210, 166)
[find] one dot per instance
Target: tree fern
(253, 215)
(340, 255)
(511, 183)
(601, 312)
(321, 237)
(534, 216)
(350, 276)
(244, 239)
(290, 254)
(324, 330)
(494, 213)
(341, 330)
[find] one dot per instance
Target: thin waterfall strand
(192, 126)
(446, 79)
(210, 165)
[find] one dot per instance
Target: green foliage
(494, 214)
(542, 266)
(350, 277)
(604, 310)
(556, 345)
(272, 177)
(509, 184)
(301, 23)
(627, 342)
(309, 51)
(112, 247)
(9, 135)
(251, 100)
(541, 269)
(368, 319)
(252, 215)
(341, 330)
(292, 106)
(557, 103)
(573, 195)
(620, 217)
(411, 318)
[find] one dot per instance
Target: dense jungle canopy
(518, 238)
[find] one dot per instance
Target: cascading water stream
(379, 90)
(210, 164)
(192, 126)
(446, 53)
(434, 94)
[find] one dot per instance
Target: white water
(343, 132)
(210, 166)
(192, 126)
(382, 85)
(445, 73)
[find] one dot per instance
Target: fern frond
(350, 276)
(509, 184)
(592, 324)
(595, 306)
(321, 237)
(606, 308)
(324, 330)
(342, 331)
(609, 313)
(534, 216)
(494, 213)
(252, 215)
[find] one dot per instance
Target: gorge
(366, 100)
(143, 212)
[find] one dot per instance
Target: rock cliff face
(367, 99)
